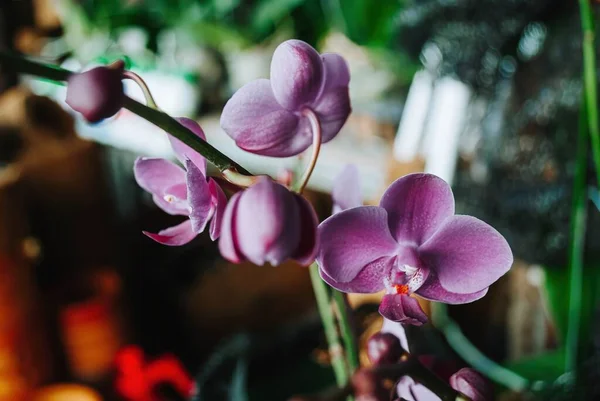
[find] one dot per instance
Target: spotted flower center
(405, 279)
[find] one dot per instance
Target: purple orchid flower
(268, 223)
(412, 243)
(266, 116)
(183, 192)
(472, 384)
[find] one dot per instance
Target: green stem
(589, 80)
(346, 326)
(156, 117)
(576, 246)
(327, 317)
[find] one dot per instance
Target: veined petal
(433, 291)
(183, 151)
(219, 201)
(199, 197)
(228, 245)
(156, 175)
(268, 223)
(351, 240)
(467, 255)
(296, 74)
(346, 192)
(258, 124)
(307, 248)
(177, 235)
(417, 205)
(368, 281)
(402, 309)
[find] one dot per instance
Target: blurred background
(484, 93)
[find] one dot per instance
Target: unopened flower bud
(384, 348)
(368, 386)
(98, 93)
(472, 384)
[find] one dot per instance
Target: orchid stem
(143, 86)
(162, 120)
(316, 148)
(346, 327)
(336, 351)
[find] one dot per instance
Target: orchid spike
(183, 192)
(268, 223)
(412, 243)
(266, 116)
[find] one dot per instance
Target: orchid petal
(346, 192)
(433, 291)
(396, 329)
(199, 197)
(268, 223)
(410, 390)
(296, 74)
(353, 239)
(403, 309)
(183, 151)
(333, 109)
(177, 235)
(369, 279)
(258, 124)
(417, 205)
(336, 72)
(467, 255)
(472, 384)
(156, 175)
(174, 200)
(307, 249)
(228, 245)
(219, 203)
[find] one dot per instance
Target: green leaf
(268, 13)
(546, 367)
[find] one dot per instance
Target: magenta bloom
(266, 116)
(183, 192)
(268, 223)
(412, 243)
(472, 384)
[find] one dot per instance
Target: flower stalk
(317, 139)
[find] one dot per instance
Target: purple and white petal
(296, 74)
(346, 192)
(368, 281)
(258, 124)
(199, 197)
(183, 151)
(432, 290)
(396, 329)
(410, 390)
(307, 248)
(417, 205)
(467, 255)
(173, 200)
(351, 240)
(219, 203)
(156, 175)
(403, 309)
(472, 384)
(177, 235)
(228, 245)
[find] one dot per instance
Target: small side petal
(174, 236)
(258, 124)
(296, 74)
(219, 203)
(433, 291)
(227, 241)
(183, 151)
(417, 205)
(467, 255)
(402, 309)
(346, 192)
(199, 197)
(336, 72)
(333, 109)
(307, 249)
(368, 281)
(156, 175)
(351, 240)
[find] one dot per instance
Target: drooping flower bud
(384, 348)
(472, 384)
(98, 93)
(268, 223)
(367, 386)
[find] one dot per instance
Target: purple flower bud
(472, 384)
(266, 116)
(368, 386)
(268, 223)
(98, 93)
(384, 348)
